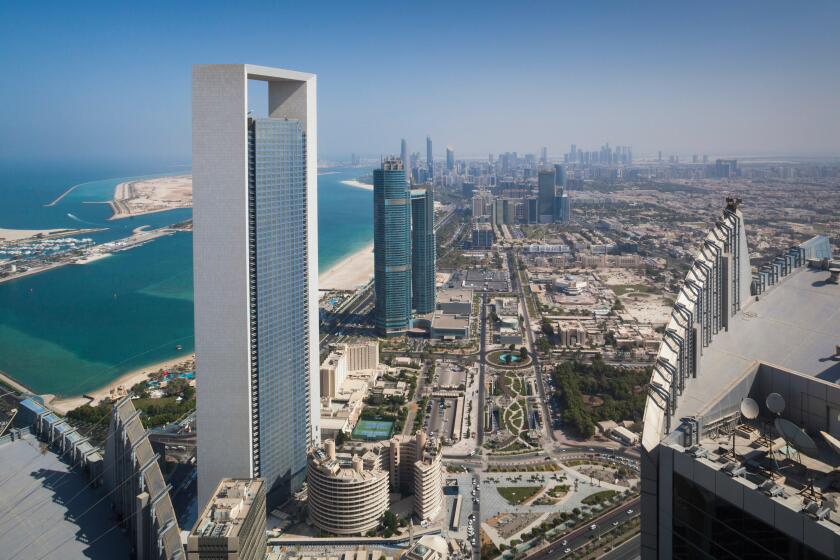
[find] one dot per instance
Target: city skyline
(762, 83)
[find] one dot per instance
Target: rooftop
(44, 508)
(224, 514)
(795, 325)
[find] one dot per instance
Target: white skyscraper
(256, 277)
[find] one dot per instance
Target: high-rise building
(255, 252)
(725, 168)
(450, 158)
(392, 248)
(232, 524)
(742, 407)
(406, 159)
(430, 160)
(562, 209)
(423, 249)
(545, 182)
(559, 175)
(544, 156)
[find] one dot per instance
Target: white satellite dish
(775, 402)
(796, 438)
(749, 409)
(832, 441)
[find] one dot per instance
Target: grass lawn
(515, 495)
(599, 497)
(623, 289)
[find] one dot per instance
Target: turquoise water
(507, 358)
(76, 328)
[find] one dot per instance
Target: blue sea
(76, 328)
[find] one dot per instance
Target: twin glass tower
(256, 277)
(403, 248)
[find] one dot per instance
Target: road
(516, 283)
(581, 536)
(350, 313)
(628, 550)
(482, 350)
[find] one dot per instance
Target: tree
(341, 438)
(512, 347)
(547, 327)
(176, 387)
(523, 353)
(390, 523)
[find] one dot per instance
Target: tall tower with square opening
(256, 277)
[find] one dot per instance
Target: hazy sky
(91, 80)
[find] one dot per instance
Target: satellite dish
(832, 441)
(749, 409)
(796, 438)
(776, 403)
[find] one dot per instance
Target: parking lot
(441, 417)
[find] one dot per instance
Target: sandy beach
(134, 198)
(349, 273)
(114, 388)
(358, 185)
(20, 234)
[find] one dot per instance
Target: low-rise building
(232, 524)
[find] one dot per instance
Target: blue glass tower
(423, 249)
(392, 248)
(277, 198)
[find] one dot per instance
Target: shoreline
(357, 184)
(138, 197)
(127, 380)
(8, 235)
(350, 273)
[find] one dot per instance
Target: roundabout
(508, 359)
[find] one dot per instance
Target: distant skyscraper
(392, 248)
(423, 249)
(406, 159)
(255, 250)
(450, 158)
(545, 182)
(544, 156)
(562, 208)
(430, 160)
(559, 175)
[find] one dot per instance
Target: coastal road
(351, 312)
(516, 281)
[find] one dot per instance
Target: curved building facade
(346, 499)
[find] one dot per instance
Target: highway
(516, 283)
(582, 535)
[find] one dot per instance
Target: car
(629, 512)
(615, 523)
(565, 542)
(568, 550)
(593, 527)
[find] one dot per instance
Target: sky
(93, 80)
